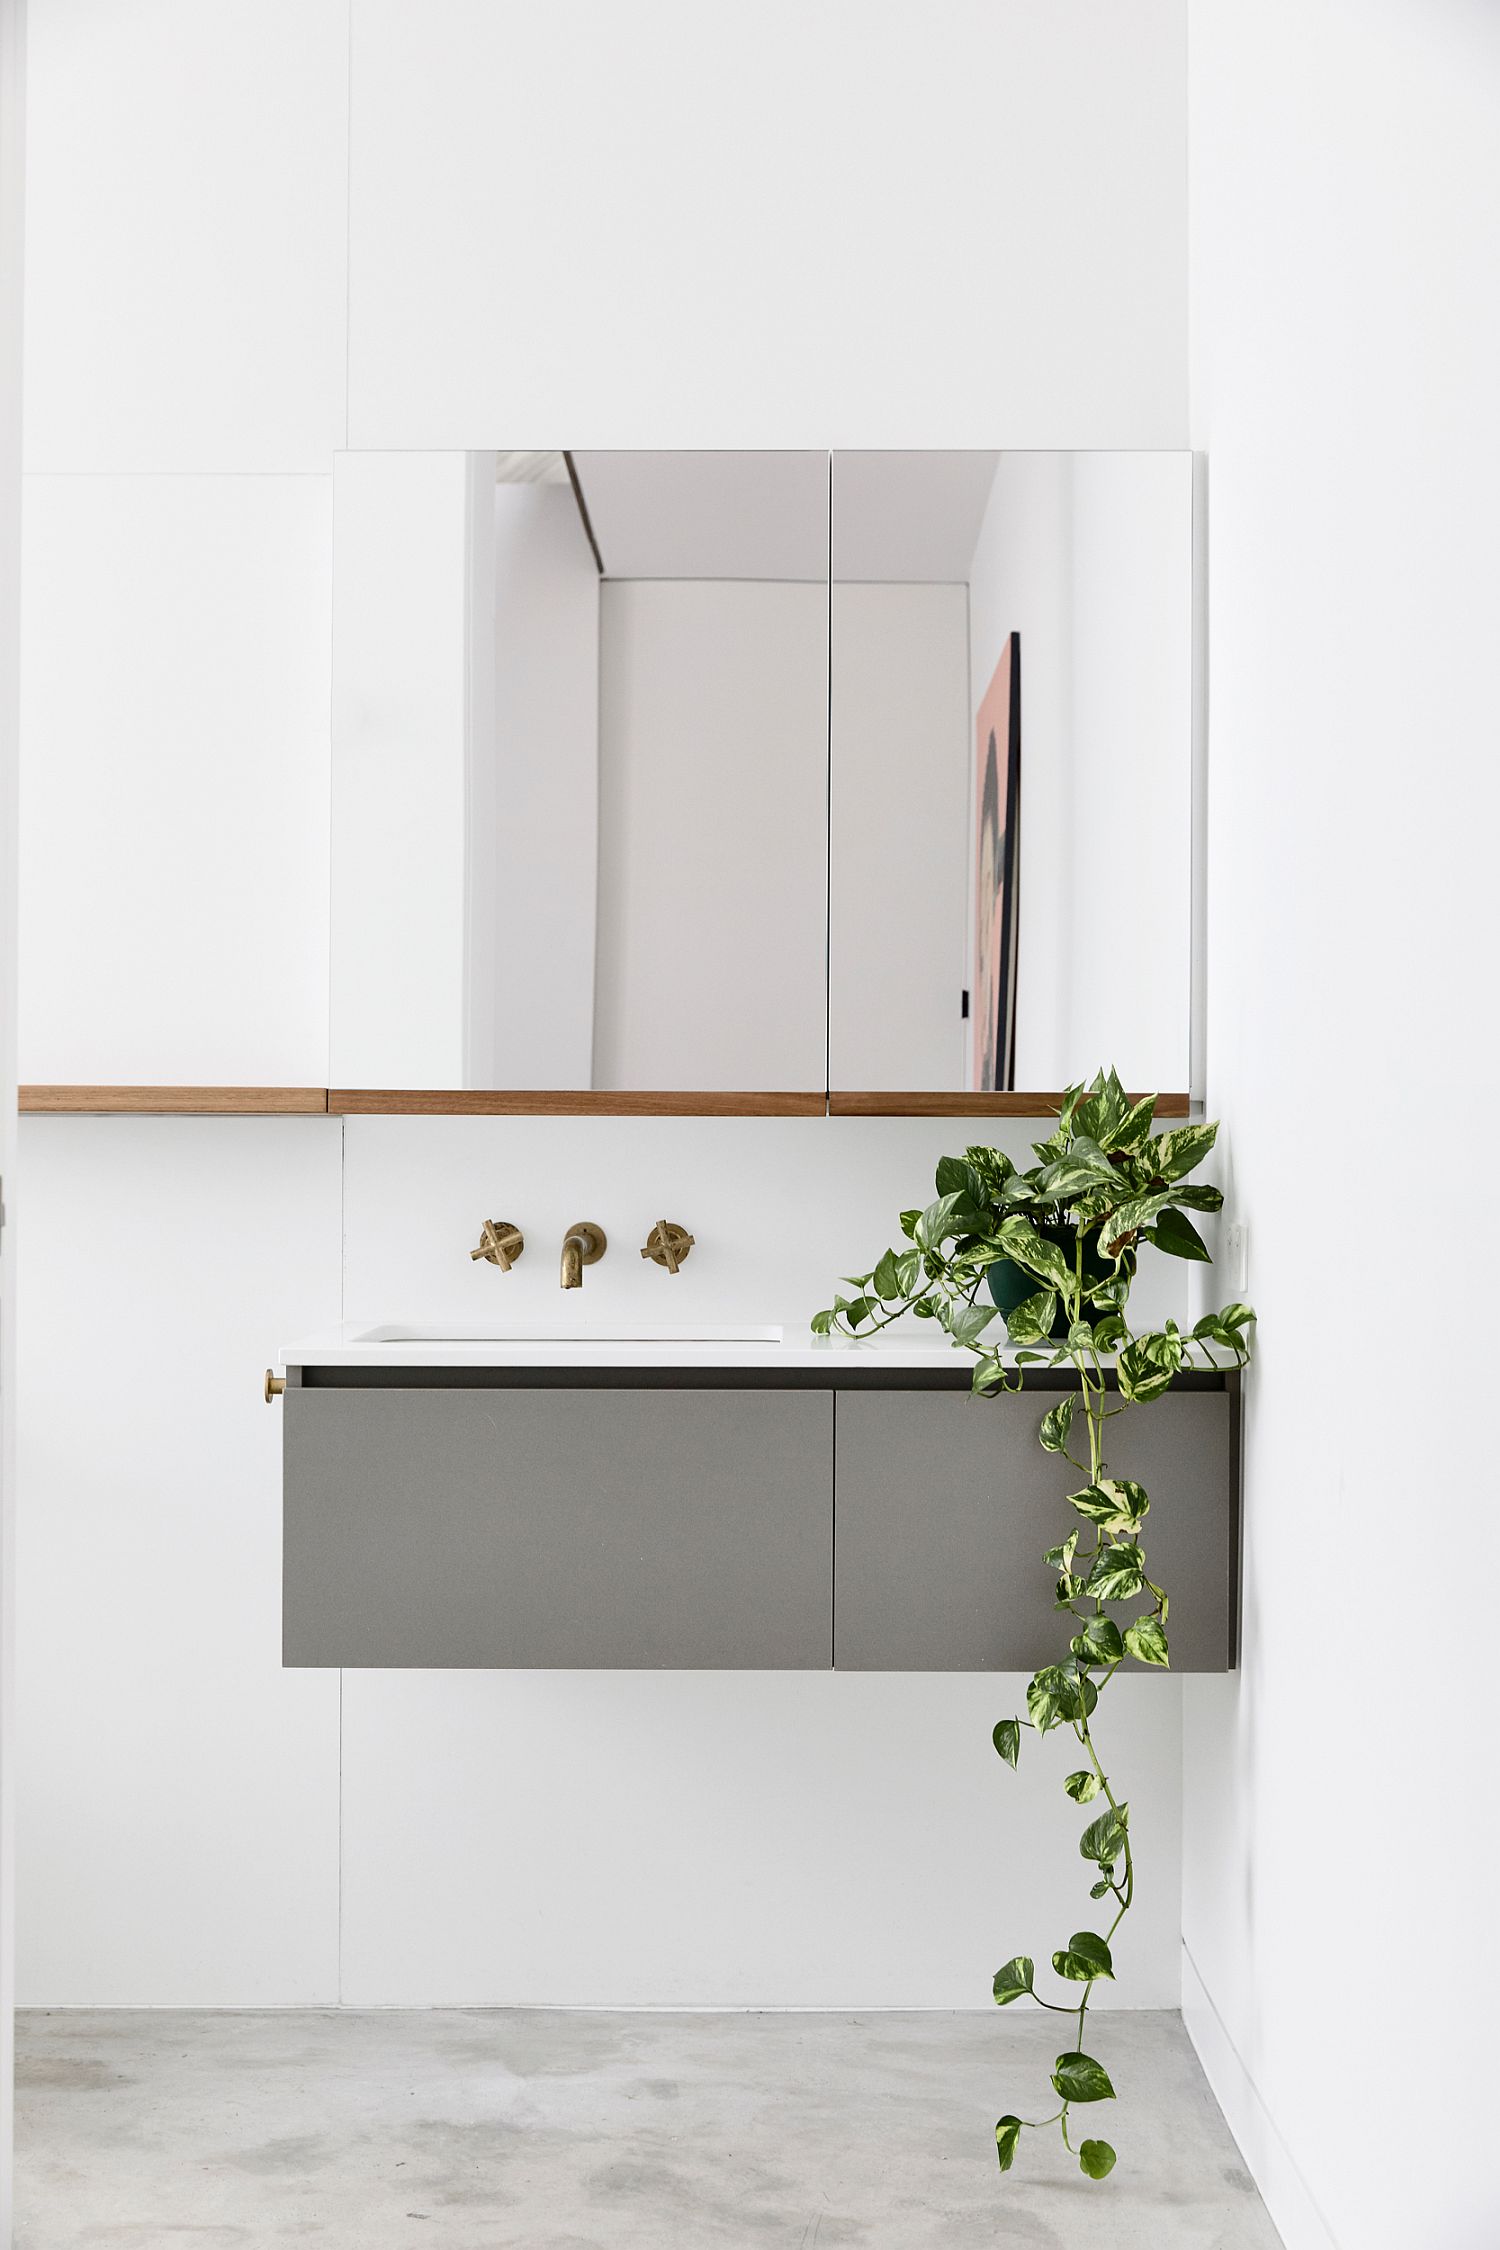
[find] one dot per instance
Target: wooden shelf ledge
(173, 1101)
(365, 1101)
(473, 1101)
(972, 1105)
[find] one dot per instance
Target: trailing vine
(1072, 1226)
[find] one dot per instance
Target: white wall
(178, 1790)
(1089, 557)
(713, 836)
(186, 171)
(975, 237)
(1340, 1803)
(200, 1827)
(400, 767)
(12, 201)
(778, 229)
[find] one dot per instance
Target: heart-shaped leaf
(1147, 1642)
(956, 1176)
(1051, 1696)
(1083, 1786)
(950, 1215)
(1104, 1839)
(1115, 1503)
(1096, 2158)
(1139, 1376)
(967, 1323)
(1007, 2133)
(1177, 1235)
(1179, 1152)
(1100, 1641)
(1056, 1693)
(1084, 1958)
(1014, 1979)
(1078, 2078)
(1020, 1241)
(1031, 1321)
(1118, 1574)
(887, 1279)
(1133, 1128)
(1007, 1740)
(1056, 1423)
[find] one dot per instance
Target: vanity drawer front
(945, 1505)
(586, 1528)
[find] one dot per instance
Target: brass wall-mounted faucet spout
(583, 1245)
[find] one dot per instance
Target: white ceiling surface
(708, 515)
(905, 518)
(908, 518)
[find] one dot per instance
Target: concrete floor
(516, 2129)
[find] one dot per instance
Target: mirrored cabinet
(770, 781)
(762, 773)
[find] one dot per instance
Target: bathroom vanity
(733, 1501)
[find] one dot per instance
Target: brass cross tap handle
(667, 1244)
(500, 1242)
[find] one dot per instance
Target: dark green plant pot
(1010, 1285)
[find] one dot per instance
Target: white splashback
(780, 1207)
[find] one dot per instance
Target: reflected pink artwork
(997, 754)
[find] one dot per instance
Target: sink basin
(602, 1332)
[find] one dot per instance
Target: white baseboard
(1283, 2190)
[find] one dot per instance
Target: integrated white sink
(599, 1343)
(602, 1332)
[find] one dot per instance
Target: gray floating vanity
(768, 1507)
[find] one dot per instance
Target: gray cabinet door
(519, 1528)
(945, 1505)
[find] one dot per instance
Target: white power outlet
(1237, 1257)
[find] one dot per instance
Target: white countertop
(363, 1343)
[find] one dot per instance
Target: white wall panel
(733, 1839)
(185, 213)
(1340, 1788)
(401, 685)
(788, 225)
(178, 1791)
(12, 199)
(174, 780)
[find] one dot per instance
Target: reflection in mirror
(1010, 863)
(580, 771)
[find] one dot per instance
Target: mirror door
(1011, 771)
(580, 771)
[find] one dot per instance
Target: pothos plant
(1073, 1226)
